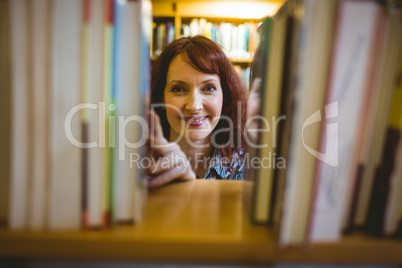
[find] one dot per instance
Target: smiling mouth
(194, 121)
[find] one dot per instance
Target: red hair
(207, 57)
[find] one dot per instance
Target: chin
(197, 136)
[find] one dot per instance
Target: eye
(177, 90)
(210, 88)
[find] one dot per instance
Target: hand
(170, 162)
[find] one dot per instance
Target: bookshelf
(242, 14)
(214, 11)
(198, 222)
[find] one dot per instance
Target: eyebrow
(184, 83)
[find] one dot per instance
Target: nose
(194, 102)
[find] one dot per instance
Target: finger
(156, 127)
(167, 162)
(166, 149)
(165, 177)
(178, 172)
(156, 141)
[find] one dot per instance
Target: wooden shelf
(201, 221)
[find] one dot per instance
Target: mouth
(195, 121)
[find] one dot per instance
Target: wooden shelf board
(225, 9)
(162, 9)
(200, 221)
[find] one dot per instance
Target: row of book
(331, 82)
(244, 73)
(74, 74)
(163, 34)
(237, 41)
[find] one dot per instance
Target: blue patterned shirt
(220, 168)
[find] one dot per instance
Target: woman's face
(193, 101)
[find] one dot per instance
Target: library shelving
(234, 27)
(182, 12)
(195, 222)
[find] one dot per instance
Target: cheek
(173, 106)
(216, 104)
(172, 112)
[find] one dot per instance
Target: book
(126, 77)
(378, 112)
(39, 26)
(20, 115)
(385, 200)
(237, 39)
(394, 202)
(354, 177)
(355, 35)
(93, 118)
(106, 136)
(258, 67)
(144, 85)
(5, 110)
(163, 32)
(271, 88)
(309, 98)
(287, 99)
(64, 208)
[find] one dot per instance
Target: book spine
(85, 31)
(40, 28)
(106, 115)
(19, 122)
(66, 153)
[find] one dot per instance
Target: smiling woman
(202, 109)
(199, 98)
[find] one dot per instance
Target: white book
(202, 24)
(127, 100)
(40, 28)
(233, 42)
(354, 35)
(18, 217)
(226, 37)
(65, 175)
(312, 72)
(96, 129)
(194, 27)
(186, 30)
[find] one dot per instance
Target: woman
(201, 105)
